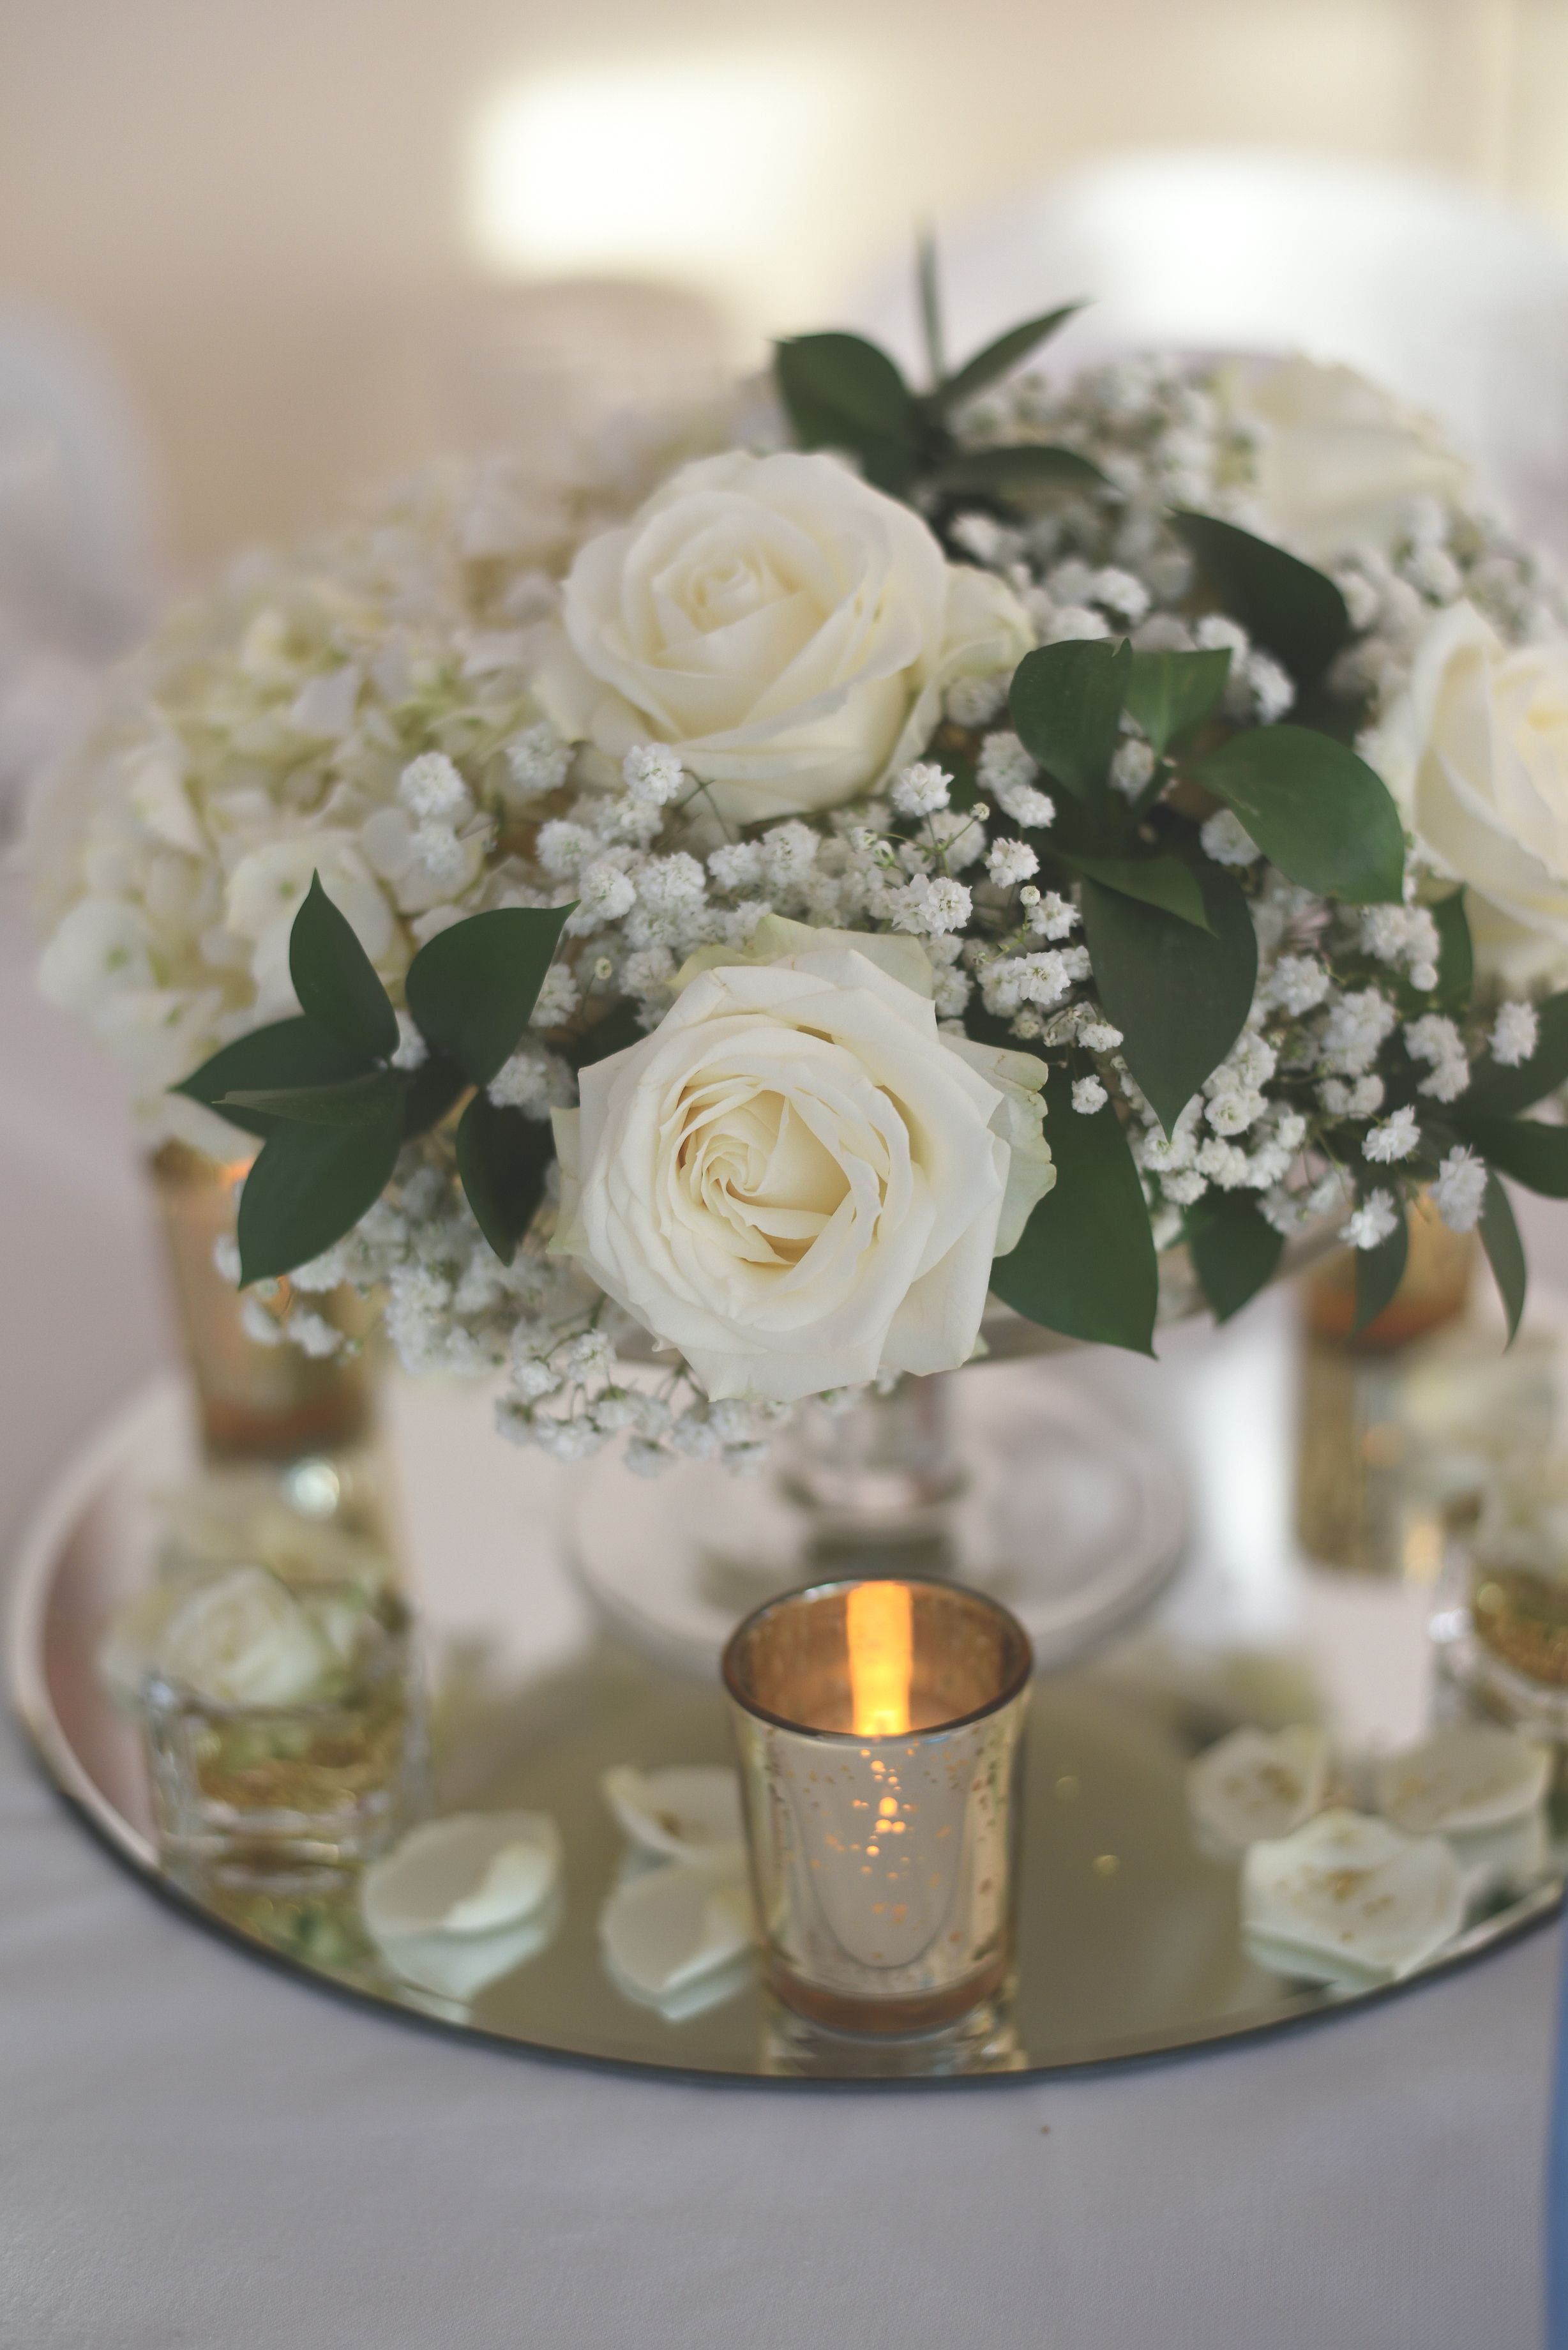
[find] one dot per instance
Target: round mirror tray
(1131, 1934)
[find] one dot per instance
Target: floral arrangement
(841, 859)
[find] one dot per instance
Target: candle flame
(879, 1628)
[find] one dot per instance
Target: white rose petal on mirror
(787, 630)
(1505, 1863)
(1473, 1776)
(1258, 1785)
(668, 1930)
(1354, 1891)
(244, 1639)
(686, 1812)
(457, 1967)
(472, 1874)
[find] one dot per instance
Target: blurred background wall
(303, 231)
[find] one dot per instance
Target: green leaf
(999, 358)
(1496, 1092)
(1066, 702)
(1234, 1251)
(352, 1101)
(1456, 966)
(471, 988)
(1378, 1273)
(842, 393)
(289, 1053)
(1086, 1264)
(1179, 995)
(1321, 814)
(1031, 465)
(1296, 613)
(1169, 693)
(1533, 1154)
(334, 978)
(1505, 1253)
(433, 1088)
(502, 1157)
(1162, 881)
(309, 1186)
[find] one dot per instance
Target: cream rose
(787, 630)
(797, 1180)
(1337, 459)
(243, 1638)
(1475, 750)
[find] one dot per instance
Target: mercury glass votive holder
(880, 1730)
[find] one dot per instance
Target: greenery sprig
(332, 1106)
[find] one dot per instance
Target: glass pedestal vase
(254, 1402)
(1025, 1480)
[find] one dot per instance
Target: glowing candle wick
(879, 1625)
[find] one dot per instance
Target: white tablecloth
(195, 2150)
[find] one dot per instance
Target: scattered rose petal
(689, 1811)
(1356, 1891)
(458, 1967)
(1258, 1784)
(665, 1929)
(1472, 1776)
(471, 1873)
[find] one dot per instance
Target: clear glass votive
(880, 1730)
(1502, 1622)
(322, 1781)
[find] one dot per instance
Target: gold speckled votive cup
(880, 1730)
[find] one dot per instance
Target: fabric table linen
(200, 2150)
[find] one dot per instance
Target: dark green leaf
(1378, 1273)
(1234, 1251)
(1169, 693)
(1066, 702)
(1154, 880)
(1179, 995)
(842, 393)
(433, 1089)
(309, 1186)
(1457, 969)
(1000, 357)
(1320, 812)
(1496, 1092)
(1003, 472)
(1295, 612)
(1533, 1154)
(289, 1053)
(1505, 1252)
(334, 978)
(471, 988)
(1085, 1265)
(352, 1101)
(502, 1157)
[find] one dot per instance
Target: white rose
(244, 1639)
(797, 1180)
(788, 630)
(1337, 459)
(1475, 750)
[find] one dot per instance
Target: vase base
(1069, 1514)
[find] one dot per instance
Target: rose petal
(1257, 1784)
(687, 1811)
(1356, 1891)
(1471, 1776)
(471, 1873)
(666, 1929)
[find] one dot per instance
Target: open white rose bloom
(836, 857)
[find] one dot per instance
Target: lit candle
(880, 1625)
(880, 1732)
